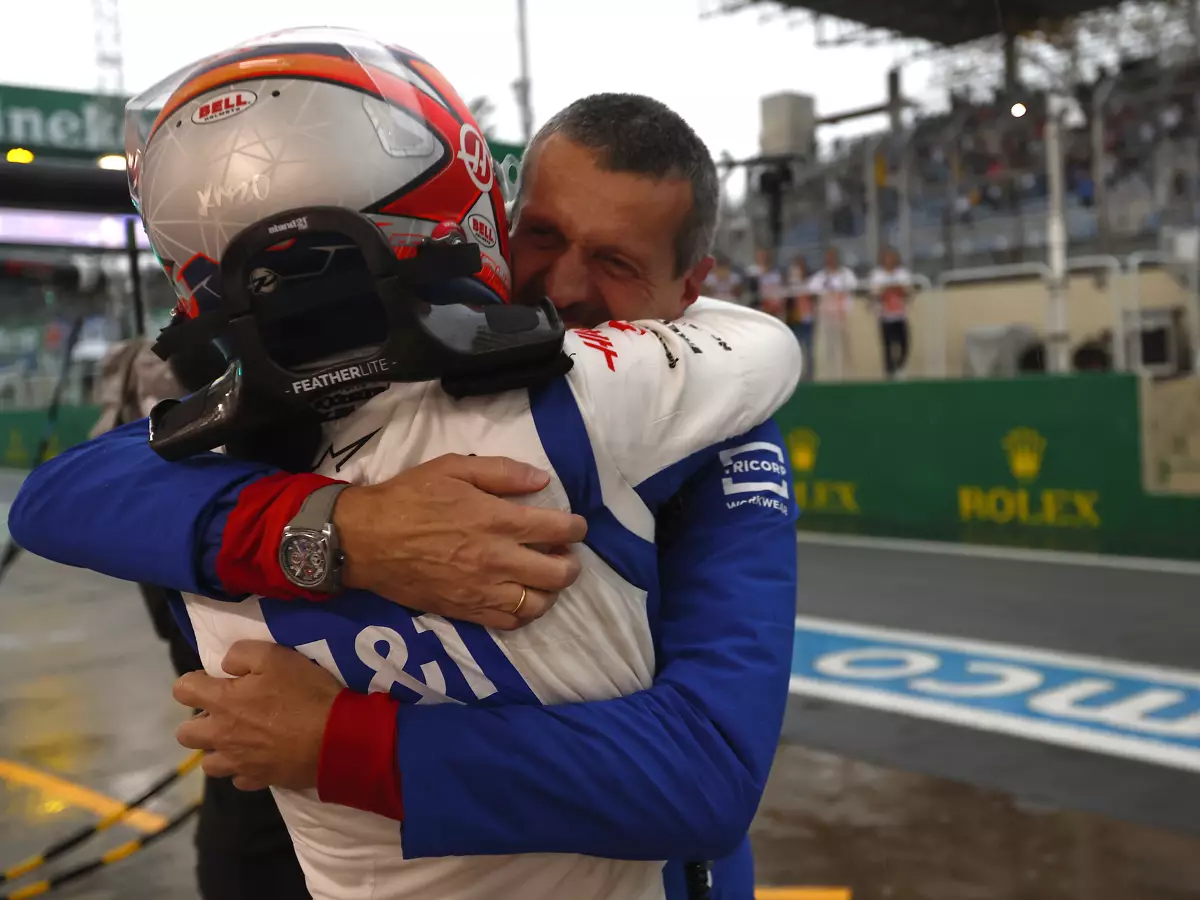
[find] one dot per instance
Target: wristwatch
(309, 553)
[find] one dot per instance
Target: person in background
(834, 288)
(801, 305)
(891, 289)
(768, 282)
(723, 283)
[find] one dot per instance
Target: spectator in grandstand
(800, 309)
(977, 168)
(686, 755)
(766, 284)
(724, 283)
(834, 288)
(891, 291)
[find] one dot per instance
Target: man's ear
(693, 280)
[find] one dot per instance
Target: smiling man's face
(600, 244)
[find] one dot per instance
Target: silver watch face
(305, 559)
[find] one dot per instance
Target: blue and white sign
(1106, 706)
(755, 473)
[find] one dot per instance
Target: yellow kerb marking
(802, 893)
(78, 795)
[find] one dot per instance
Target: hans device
(471, 347)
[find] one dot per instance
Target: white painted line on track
(1018, 653)
(1072, 736)
(1012, 554)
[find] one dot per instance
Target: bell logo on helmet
(483, 230)
(224, 106)
(474, 153)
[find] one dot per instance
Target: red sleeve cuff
(248, 561)
(358, 766)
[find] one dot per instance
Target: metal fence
(1103, 298)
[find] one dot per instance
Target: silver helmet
(301, 118)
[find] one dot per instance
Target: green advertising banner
(502, 149)
(1037, 462)
(61, 123)
(22, 430)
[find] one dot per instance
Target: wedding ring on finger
(521, 602)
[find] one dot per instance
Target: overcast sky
(711, 71)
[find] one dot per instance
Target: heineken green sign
(68, 124)
(501, 150)
(61, 123)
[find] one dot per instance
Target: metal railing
(1112, 267)
(974, 276)
(1136, 262)
(1123, 286)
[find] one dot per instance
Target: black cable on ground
(116, 854)
(58, 848)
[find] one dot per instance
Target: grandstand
(968, 186)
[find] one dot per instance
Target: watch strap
(316, 512)
(314, 521)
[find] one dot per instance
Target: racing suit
(612, 777)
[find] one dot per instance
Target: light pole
(521, 87)
(1058, 337)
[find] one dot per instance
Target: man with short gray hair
(601, 254)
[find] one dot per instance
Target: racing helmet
(330, 217)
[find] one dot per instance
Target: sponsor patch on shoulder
(756, 474)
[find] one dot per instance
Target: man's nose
(568, 280)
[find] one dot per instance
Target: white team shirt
(834, 291)
(891, 289)
(642, 398)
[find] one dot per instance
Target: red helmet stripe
(295, 65)
(438, 82)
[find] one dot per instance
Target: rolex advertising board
(1036, 462)
(824, 495)
(1025, 500)
(24, 429)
